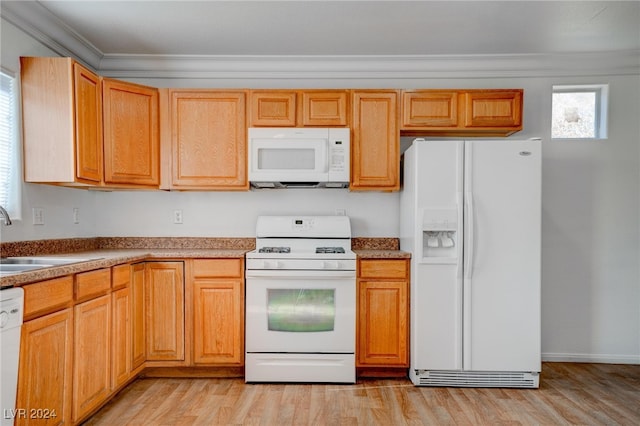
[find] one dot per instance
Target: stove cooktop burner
(329, 250)
(275, 250)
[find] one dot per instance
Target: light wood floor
(581, 394)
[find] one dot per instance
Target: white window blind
(9, 198)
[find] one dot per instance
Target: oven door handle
(298, 274)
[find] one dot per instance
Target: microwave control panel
(339, 149)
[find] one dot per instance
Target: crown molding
(371, 67)
(37, 21)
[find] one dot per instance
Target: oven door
(300, 311)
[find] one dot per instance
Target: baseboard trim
(591, 358)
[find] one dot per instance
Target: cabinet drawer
(121, 276)
(92, 284)
(47, 296)
(394, 268)
(218, 268)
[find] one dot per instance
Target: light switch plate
(177, 216)
(38, 215)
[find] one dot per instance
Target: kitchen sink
(16, 265)
(39, 260)
(22, 267)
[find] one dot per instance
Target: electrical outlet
(341, 212)
(38, 215)
(76, 215)
(177, 216)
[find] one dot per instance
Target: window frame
(601, 106)
(14, 197)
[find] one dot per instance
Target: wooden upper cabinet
(62, 122)
(324, 108)
(429, 109)
(88, 110)
(291, 108)
(465, 112)
(375, 148)
(493, 108)
(273, 108)
(208, 139)
(131, 134)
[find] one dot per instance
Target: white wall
(233, 214)
(590, 196)
(57, 203)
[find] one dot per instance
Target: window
(579, 112)
(9, 155)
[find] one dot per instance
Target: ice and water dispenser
(440, 235)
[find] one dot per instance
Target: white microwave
(299, 157)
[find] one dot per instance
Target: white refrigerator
(471, 218)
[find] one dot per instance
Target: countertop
(106, 252)
(108, 258)
(382, 254)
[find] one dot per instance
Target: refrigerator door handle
(468, 267)
(459, 249)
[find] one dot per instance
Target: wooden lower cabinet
(218, 311)
(92, 355)
(121, 337)
(45, 375)
(383, 313)
(164, 306)
(138, 317)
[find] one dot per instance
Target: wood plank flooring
(569, 393)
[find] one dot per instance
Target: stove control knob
(327, 264)
(272, 264)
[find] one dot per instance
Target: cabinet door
(382, 323)
(138, 318)
(209, 140)
(218, 321)
(494, 108)
(324, 108)
(429, 108)
(164, 296)
(88, 110)
(273, 108)
(48, 120)
(92, 355)
(45, 374)
(121, 331)
(375, 157)
(131, 134)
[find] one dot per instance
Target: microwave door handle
(323, 158)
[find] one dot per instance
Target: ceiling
(211, 29)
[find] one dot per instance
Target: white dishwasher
(11, 309)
